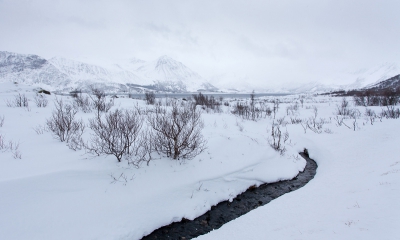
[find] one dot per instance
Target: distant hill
(389, 85)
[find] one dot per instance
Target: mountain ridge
(64, 74)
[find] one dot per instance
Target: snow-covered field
(49, 191)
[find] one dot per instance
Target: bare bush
(13, 147)
(20, 100)
(340, 121)
(62, 122)
(150, 98)
(82, 102)
(276, 106)
(295, 120)
(292, 109)
(3, 145)
(252, 111)
(41, 100)
(99, 101)
(390, 112)
(355, 114)
(177, 131)
(40, 129)
(116, 134)
(343, 109)
(276, 138)
(207, 102)
(281, 121)
(1, 121)
(370, 115)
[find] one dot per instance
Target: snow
(354, 194)
(53, 192)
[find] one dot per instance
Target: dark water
(242, 204)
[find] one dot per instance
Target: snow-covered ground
(52, 192)
(354, 195)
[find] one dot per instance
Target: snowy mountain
(164, 74)
(31, 70)
(388, 84)
(362, 78)
(169, 74)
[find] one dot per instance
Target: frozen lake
(216, 95)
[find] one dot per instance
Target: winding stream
(226, 211)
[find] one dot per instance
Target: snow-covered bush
(177, 131)
(116, 133)
(62, 122)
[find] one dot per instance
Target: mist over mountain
(164, 75)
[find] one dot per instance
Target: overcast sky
(260, 41)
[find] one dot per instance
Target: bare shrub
(281, 121)
(1, 121)
(275, 141)
(340, 121)
(177, 131)
(355, 114)
(115, 134)
(370, 115)
(276, 106)
(389, 98)
(40, 129)
(20, 100)
(359, 100)
(82, 102)
(390, 112)
(13, 147)
(150, 98)
(62, 122)
(295, 120)
(207, 102)
(41, 100)
(343, 109)
(252, 111)
(3, 145)
(292, 109)
(99, 101)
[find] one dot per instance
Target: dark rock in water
(226, 211)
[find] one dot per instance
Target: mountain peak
(167, 60)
